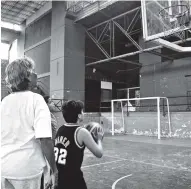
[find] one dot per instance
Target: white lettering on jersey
(62, 140)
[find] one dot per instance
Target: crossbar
(145, 98)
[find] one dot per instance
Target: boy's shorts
(72, 184)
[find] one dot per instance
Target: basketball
(94, 128)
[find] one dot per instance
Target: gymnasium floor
(136, 162)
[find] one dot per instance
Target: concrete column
(148, 74)
(21, 41)
(67, 69)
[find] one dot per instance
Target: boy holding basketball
(70, 142)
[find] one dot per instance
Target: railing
(176, 104)
(89, 105)
(58, 103)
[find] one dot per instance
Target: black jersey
(69, 156)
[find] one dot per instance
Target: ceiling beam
(132, 53)
(116, 17)
(130, 62)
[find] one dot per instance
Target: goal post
(138, 105)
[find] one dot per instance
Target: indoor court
(131, 162)
(129, 62)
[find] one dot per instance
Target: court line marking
(97, 164)
(141, 162)
(114, 184)
(115, 157)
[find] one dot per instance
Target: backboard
(154, 26)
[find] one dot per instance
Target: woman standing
(25, 131)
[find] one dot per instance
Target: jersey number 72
(60, 155)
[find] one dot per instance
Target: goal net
(141, 116)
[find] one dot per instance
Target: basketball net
(174, 24)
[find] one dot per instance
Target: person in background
(50, 104)
(54, 126)
(26, 134)
(54, 123)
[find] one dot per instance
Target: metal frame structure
(148, 50)
(158, 112)
(108, 32)
(90, 10)
(58, 103)
(109, 25)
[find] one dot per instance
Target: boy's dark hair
(71, 109)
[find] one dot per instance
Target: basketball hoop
(175, 19)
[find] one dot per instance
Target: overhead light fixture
(94, 70)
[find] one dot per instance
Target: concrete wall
(41, 55)
(37, 31)
(145, 123)
(37, 47)
(140, 123)
(163, 78)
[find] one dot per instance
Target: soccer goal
(141, 116)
